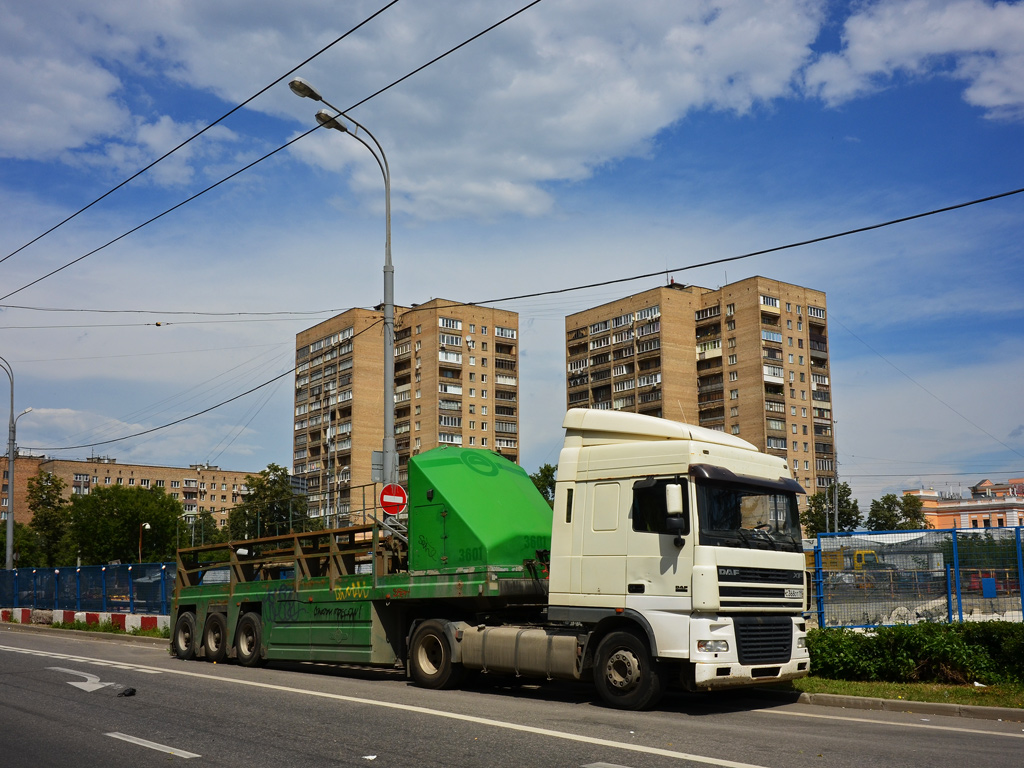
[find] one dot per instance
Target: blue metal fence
(866, 579)
(141, 588)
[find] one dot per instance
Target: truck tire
(183, 641)
(625, 675)
(430, 658)
(215, 637)
(249, 640)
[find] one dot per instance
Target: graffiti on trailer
(427, 547)
(282, 604)
(399, 592)
(337, 613)
(352, 592)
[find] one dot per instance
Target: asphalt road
(62, 702)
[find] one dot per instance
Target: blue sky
(579, 142)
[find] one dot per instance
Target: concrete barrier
(124, 621)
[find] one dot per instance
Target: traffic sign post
(393, 499)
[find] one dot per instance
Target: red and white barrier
(124, 621)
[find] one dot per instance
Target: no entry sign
(393, 499)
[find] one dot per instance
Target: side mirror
(674, 499)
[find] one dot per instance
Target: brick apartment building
(750, 358)
(456, 383)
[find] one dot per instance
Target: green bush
(988, 652)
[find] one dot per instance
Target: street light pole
(301, 88)
(11, 441)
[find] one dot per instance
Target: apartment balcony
(578, 381)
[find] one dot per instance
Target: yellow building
(199, 488)
(750, 358)
(456, 383)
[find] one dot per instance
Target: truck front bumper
(714, 675)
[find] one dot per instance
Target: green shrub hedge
(988, 652)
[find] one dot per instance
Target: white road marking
(92, 682)
(424, 711)
(152, 745)
(80, 660)
(897, 725)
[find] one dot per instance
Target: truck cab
(688, 537)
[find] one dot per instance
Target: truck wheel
(183, 641)
(430, 657)
(249, 639)
(215, 637)
(625, 674)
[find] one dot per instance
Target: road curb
(915, 707)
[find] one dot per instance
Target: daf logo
(728, 571)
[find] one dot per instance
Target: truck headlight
(801, 642)
(713, 646)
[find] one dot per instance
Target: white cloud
(549, 96)
(978, 42)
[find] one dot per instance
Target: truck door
(660, 553)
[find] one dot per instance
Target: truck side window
(649, 511)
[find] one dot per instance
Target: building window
(733, 375)
(734, 394)
(730, 309)
(735, 429)
(732, 359)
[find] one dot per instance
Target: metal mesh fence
(906, 577)
(144, 588)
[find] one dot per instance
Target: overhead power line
(199, 133)
(269, 154)
(775, 249)
(823, 238)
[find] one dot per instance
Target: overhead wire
(269, 154)
(201, 132)
(845, 233)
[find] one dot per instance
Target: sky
(581, 141)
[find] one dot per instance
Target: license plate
(794, 593)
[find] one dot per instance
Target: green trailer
(475, 543)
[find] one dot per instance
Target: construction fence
(905, 577)
(141, 588)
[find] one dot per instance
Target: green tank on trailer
(470, 508)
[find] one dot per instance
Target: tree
(107, 525)
(544, 479)
(892, 513)
(819, 516)
(26, 546)
(271, 507)
(50, 518)
(200, 529)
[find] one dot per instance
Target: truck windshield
(747, 516)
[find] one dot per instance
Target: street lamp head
(301, 88)
(145, 526)
(327, 120)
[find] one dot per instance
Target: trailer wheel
(430, 657)
(249, 639)
(625, 674)
(215, 637)
(183, 641)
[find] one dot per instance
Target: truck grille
(760, 575)
(763, 639)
